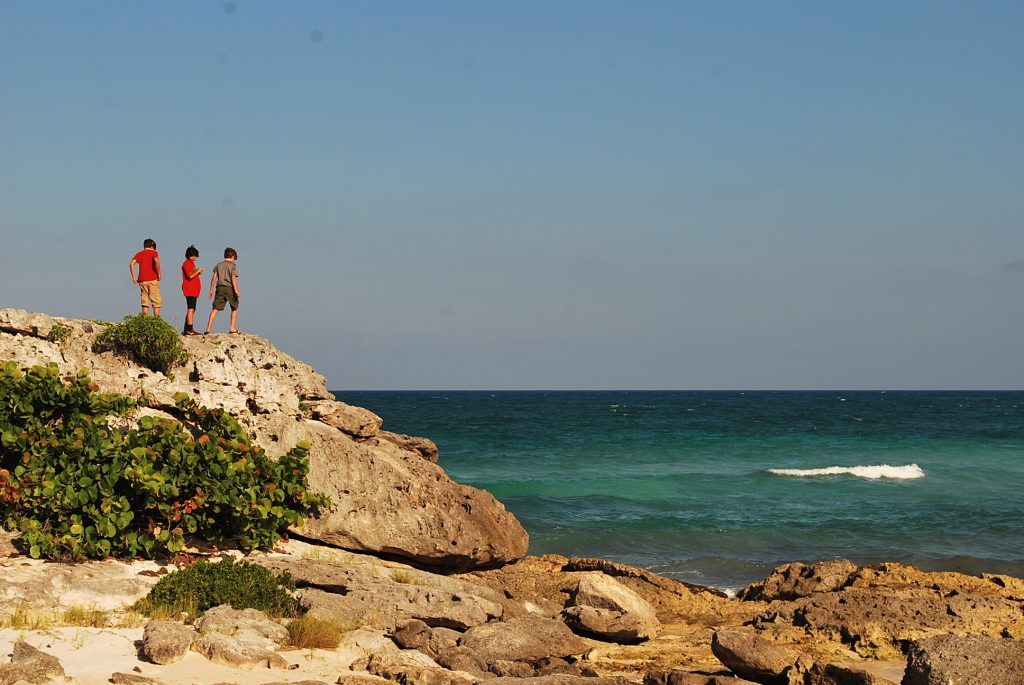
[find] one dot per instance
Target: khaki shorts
(150, 293)
(225, 295)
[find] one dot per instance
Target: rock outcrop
(969, 660)
(388, 496)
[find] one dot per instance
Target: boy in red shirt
(149, 276)
(191, 286)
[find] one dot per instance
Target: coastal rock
(556, 679)
(796, 580)
(836, 674)
(411, 667)
(356, 421)
(881, 608)
(165, 642)
(966, 660)
(386, 498)
(758, 659)
(238, 652)
(103, 585)
(527, 638)
(240, 637)
(132, 679)
(382, 596)
(606, 609)
(677, 677)
(410, 443)
(30, 665)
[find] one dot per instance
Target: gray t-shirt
(224, 271)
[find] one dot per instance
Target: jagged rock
(965, 660)
(439, 646)
(512, 669)
(30, 665)
(881, 608)
(356, 421)
(755, 658)
(226, 649)
(384, 596)
(421, 446)
(604, 608)
(527, 638)
(795, 580)
(164, 642)
(836, 674)
(677, 677)
(132, 679)
(103, 585)
(240, 637)
(385, 499)
(411, 667)
(556, 679)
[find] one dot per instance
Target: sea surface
(717, 488)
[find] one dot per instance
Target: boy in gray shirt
(224, 284)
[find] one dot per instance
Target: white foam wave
(908, 472)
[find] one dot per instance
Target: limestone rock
(384, 596)
(421, 446)
(132, 679)
(386, 499)
(250, 625)
(527, 638)
(231, 651)
(604, 608)
(556, 679)
(835, 674)
(756, 658)
(30, 665)
(967, 660)
(165, 642)
(356, 421)
(411, 667)
(677, 677)
(795, 580)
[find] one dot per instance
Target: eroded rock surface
(965, 660)
(604, 608)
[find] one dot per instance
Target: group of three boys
(223, 284)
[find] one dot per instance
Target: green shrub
(75, 488)
(59, 333)
(202, 586)
(148, 340)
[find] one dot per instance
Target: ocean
(718, 488)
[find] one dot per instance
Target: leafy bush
(203, 585)
(147, 340)
(59, 333)
(75, 488)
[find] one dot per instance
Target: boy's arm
(213, 283)
(131, 270)
(234, 284)
(156, 267)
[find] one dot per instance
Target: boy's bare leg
(234, 319)
(209, 323)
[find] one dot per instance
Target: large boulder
(604, 608)
(527, 638)
(386, 497)
(31, 665)
(165, 642)
(756, 658)
(967, 660)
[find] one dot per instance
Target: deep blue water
(683, 482)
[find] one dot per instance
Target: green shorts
(225, 295)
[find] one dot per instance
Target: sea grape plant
(76, 488)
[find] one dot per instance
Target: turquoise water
(717, 488)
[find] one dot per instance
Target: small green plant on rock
(59, 333)
(204, 585)
(147, 340)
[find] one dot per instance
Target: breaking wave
(908, 472)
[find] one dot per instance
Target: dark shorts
(191, 301)
(225, 295)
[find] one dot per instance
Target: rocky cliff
(389, 496)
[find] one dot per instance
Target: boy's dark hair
(230, 252)
(191, 251)
(149, 242)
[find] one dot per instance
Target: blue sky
(504, 195)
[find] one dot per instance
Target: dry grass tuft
(309, 632)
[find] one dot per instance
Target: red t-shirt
(147, 265)
(190, 287)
